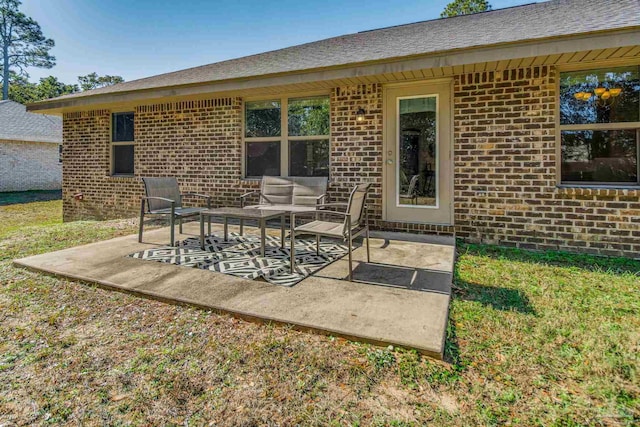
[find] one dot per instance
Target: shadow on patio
(397, 276)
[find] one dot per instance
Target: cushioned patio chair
(163, 197)
(289, 194)
(354, 223)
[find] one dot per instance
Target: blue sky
(140, 38)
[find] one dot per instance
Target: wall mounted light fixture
(360, 115)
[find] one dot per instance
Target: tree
(465, 7)
(94, 81)
(23, 91)
(51, 87)
(22, 44)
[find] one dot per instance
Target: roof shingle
(17, 124)
(556, 18)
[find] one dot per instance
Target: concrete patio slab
(401, 298)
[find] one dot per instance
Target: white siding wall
(29, 166)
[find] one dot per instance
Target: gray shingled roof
(18, 125)
(556, 18)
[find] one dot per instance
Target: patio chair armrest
(311, 211)
(164, 199)
(250, 193)
(202, 196)
(321, 199)
(294, 215)
(244, 196)
(332, 205)
(335, 213)
(147, 198)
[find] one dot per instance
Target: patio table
(262, 216)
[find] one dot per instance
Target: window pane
(262, 118)
(606, 95)
(123, 159)
(122, 127)
(600, 156)
(309, 116)
(263, 158)
(309, 158)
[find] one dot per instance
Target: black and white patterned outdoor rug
(240, 256)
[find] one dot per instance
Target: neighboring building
(30, 149)
(520, 124)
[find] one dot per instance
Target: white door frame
(443, 154)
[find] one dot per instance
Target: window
(309, 158)
(287, 137)
(122, 148)
(600, 126)
(263, 158)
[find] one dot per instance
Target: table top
(244, 213)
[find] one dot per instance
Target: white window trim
(284, 137)
(113, 143)
(592, 127)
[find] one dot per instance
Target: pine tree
(22, 44)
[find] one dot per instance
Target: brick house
(29, 149)
(516, 127)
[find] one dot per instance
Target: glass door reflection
(417, 151)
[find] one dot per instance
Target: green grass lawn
(534, 339)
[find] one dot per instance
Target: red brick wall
(85, 169)
(505, 163)
(356, 147)
(197, 141)
(505, 172)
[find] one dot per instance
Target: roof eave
(18, 138)
(629, 36)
